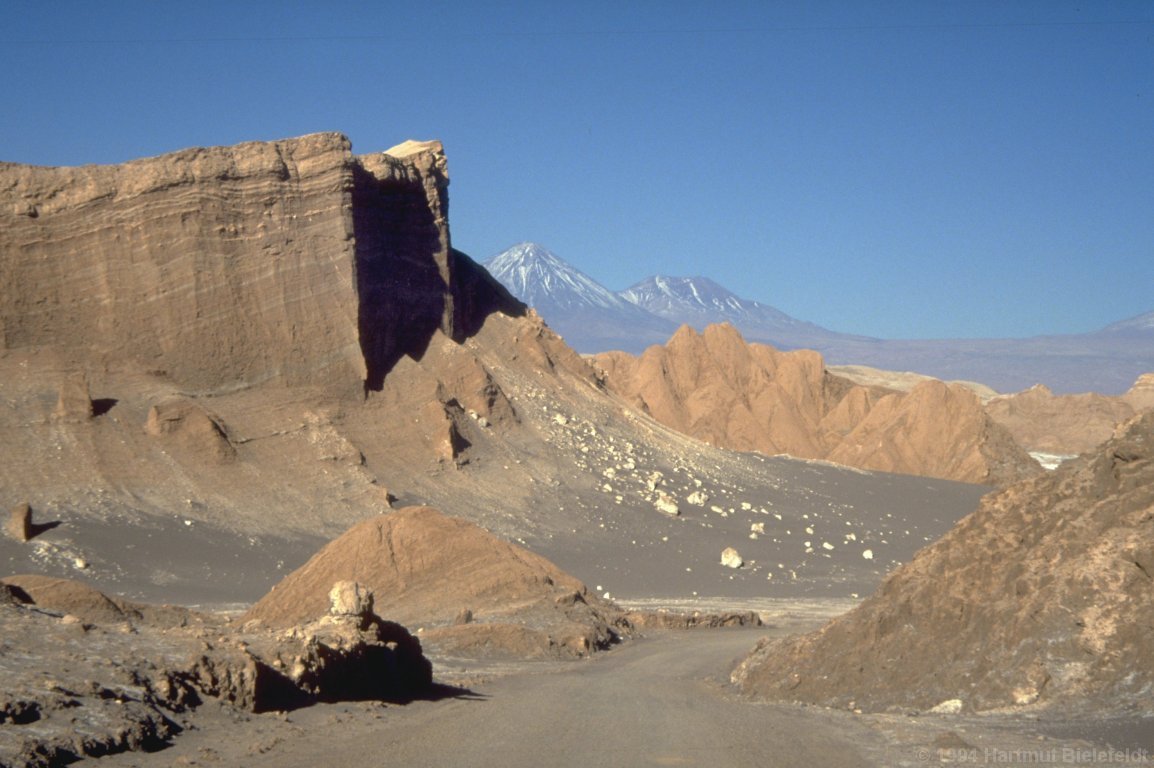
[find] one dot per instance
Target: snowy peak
(668, 296)
(1140, 324)
(544, 281)
(702, 300)
(594, 319)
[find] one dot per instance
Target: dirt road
(658, 701)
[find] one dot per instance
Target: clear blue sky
(920, 169)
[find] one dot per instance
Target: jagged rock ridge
(1041, 596)
(1041, 421)
(720, 389)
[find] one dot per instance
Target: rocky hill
(1041, 421)
(1042, 596)
(752, 397)
(462, 586)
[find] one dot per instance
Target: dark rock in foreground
(85, 675)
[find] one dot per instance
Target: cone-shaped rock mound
(473, 590)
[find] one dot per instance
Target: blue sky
(903, 170)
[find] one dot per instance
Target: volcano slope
(1042, 597)
(212, 362)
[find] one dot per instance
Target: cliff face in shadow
(404, 267)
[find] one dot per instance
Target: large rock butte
(223, 266)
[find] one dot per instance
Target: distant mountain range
(593, 318)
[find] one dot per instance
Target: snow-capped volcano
(591, 317)
(538, 277)
(699, 298)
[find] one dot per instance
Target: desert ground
(240, 381)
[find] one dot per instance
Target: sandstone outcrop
(71, 597)
(1140, 397)
(189, 427)
(935, 429)
(1044, 422)
(427, 569)
(293, 261)
(1041, 596)
(752, 397)
(74, 402)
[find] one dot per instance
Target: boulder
(188, 427)
(666, 505)
(19, 524)
(730, 558)
(74, 402)
(348, 598)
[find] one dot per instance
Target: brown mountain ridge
(752, 397)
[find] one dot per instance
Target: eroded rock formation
(716, 387)
(124, 675)
(1041, 421)
(293, 261)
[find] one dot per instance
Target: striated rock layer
(227, 266)
(1043, 595)
(716, 387)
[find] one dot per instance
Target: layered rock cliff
(292, 261)
(281, 324)
(1043, 595)
(719, 388)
